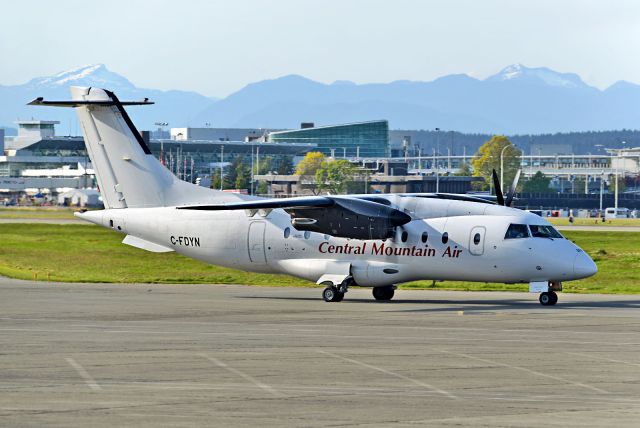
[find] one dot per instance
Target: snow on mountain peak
(77, 73)
(87, 75)
(512, 71)
(540, 75)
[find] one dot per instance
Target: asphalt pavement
(212, 355)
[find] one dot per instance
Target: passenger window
(287, 232)
(404, 236)
(445, 238)
(544, 231)
(476, 238)
(516, 231)
(307, 234)
(424, 238)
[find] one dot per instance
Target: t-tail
(128, 174)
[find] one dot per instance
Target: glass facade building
(363, 139)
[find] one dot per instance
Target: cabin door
(256, 242)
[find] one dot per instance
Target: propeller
(512, 189)
(510, 193)
(496, 184)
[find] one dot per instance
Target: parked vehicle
(611, 213)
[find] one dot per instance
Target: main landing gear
(383, 293)
(331, 293)
(548, 298)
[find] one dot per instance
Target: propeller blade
(496, 184)
(512, 189)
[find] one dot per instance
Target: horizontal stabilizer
(76, 103)
(143, 244)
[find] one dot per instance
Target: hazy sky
(217, 47)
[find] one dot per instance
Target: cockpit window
(516, 231)
(544, 231)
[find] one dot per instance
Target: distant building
(547, 149)
(80, 198)
(38, 161)
(383, 177)
(31, 131)
(352, 140)
(217, 134)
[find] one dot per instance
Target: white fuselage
(267, 242)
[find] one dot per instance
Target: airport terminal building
(352, 140)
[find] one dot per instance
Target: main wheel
(383, 293)
(331, 294)
(548, 298)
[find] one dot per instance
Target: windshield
(544, 231)
(516, 231)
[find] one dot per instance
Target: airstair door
(476, 240)
(256, 242)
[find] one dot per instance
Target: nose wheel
(548, 298)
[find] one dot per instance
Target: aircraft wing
(483, 199)
(308, 202)
(367, 217)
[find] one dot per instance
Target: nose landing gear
(548, 298)
(547, 290)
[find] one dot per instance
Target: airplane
(375, 241)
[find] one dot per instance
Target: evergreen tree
(537, 184)
(285, 166)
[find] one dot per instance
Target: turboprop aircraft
(373, 241)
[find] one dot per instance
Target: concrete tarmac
(212, 355)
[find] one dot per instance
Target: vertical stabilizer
(127, 173)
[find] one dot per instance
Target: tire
(383, 293)
(330, 294)
(339, 296)
(554, 298)
(546, 298)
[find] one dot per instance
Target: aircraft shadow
(471, 304)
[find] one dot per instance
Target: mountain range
(517, 100)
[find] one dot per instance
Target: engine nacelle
(350, 218)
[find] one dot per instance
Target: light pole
(601, 189)
(437, 152)
(221, 167)
(252, 167)
(502, 165)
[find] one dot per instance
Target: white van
(610, 213)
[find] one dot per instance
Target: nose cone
(583, 266)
